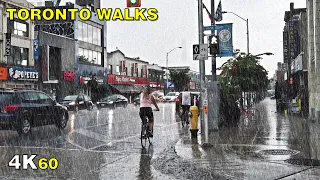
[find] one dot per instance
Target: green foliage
(180, 78)
(83, 59)
(243, 73)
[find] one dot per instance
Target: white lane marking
(92, 134)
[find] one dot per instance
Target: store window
(19, 56)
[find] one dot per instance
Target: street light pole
(248, 36)
(167, 73)
(167, 58)
(247, 21)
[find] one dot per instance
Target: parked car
(171, 97)
(77, 102)
(21, 110)
(158, 97)
(113, 101)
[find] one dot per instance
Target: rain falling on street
(104, 144)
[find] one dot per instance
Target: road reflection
(110, 122)
(145, 163)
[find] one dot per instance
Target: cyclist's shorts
(185, 108)
(146, 112)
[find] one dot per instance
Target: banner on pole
(224, 33)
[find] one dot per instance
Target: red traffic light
(133, 3)
(291, 80)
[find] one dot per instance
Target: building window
(89, 56)
(110, 69)
(80, 30)
(117, 69)
(85, 32)
(99, 58)
(19, 56)
(18, 28)
(99, 36)
(89, 33)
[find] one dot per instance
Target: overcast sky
(178, 26)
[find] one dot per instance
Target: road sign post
(200, 52)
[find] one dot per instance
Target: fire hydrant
(194, 112)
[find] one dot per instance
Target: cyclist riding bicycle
(146, 100)
(185, 103)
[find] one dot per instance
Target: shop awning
(128, 88)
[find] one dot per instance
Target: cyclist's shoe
(150, 134)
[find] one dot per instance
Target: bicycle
(145, 136)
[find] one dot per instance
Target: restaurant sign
(116, 79)
(68, 76)
(85, 80)
(23, 74)
(156, 85)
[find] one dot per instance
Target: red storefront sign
(116, 79)
(68, 76)
(156, 85)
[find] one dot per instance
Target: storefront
(16, 77)
(91, 81)
(128, 86)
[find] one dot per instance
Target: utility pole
(201, 62)
(248, 36)
(213, 58)
(213, 88)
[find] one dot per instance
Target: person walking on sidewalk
(185, 103)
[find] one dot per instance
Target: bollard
(194, 111)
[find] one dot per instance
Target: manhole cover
(304, 162)
(278, 152)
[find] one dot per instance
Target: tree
(180, 78)
(243, 73)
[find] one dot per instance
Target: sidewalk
(269, 147)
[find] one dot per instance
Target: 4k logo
(28, 162)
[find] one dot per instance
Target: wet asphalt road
(98, 144)
(105, 144)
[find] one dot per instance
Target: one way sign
(200, 51)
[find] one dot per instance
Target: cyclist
(185, 103)
(146, 100)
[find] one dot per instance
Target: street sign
(209, 28)
(200, 51)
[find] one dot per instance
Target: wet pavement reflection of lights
(72, 118)
(110, 122)
(97, 117)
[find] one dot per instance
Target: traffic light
(133, 3)
(214, 49)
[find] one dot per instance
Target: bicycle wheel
(144, 136)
